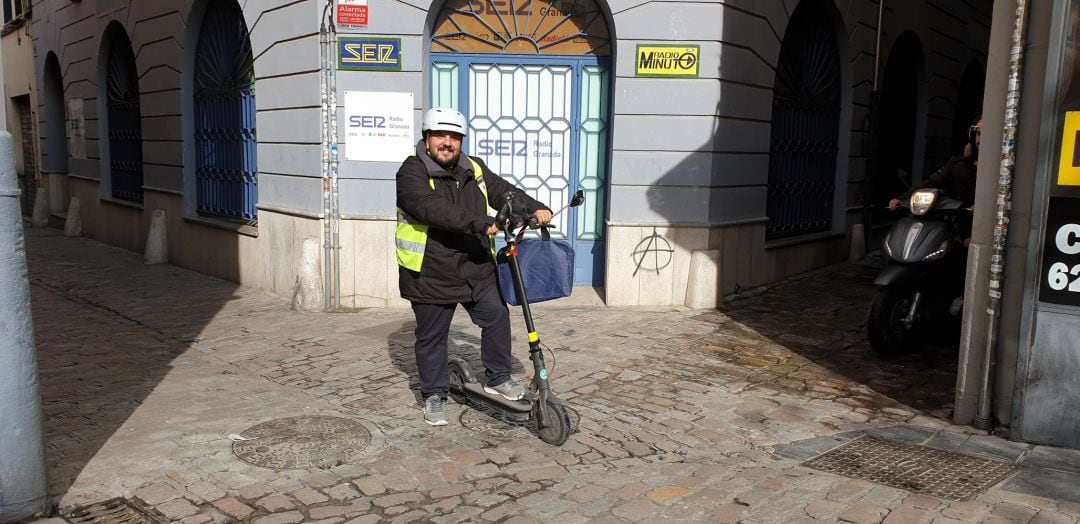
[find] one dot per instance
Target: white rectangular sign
(379, 126)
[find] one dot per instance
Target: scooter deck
(517, 406)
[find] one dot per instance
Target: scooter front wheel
(557, 419)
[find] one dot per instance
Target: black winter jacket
(457, 264)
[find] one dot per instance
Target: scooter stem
(540, 375)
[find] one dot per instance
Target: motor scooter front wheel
(889, 335)
(558, 426)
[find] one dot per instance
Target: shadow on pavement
(107, 333)
(819, 319)
(463, 345)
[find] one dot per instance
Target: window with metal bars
(125, 120)
(805, 126)
(226, 171)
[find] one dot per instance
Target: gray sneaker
(434, 410)
(510, 389)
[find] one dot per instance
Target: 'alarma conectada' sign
(667, 61)
(350, 14)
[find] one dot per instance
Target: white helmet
(444, 119)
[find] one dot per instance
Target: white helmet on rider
(444, 119)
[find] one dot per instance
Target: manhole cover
(302, 442)
(918, 469)
(113, 511)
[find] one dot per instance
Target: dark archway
(898, 120)
(226, 171)
(805, 125)
(969, 98)
(54, 151)
(124, 117)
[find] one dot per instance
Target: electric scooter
(551, 416)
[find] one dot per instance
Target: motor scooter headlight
(922, 200)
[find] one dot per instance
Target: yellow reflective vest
(411, 236)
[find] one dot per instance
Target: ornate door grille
(805, 124)
(226, 171)
(534, 78)
(125, 121)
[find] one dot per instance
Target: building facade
(20, 95)
(756, 144)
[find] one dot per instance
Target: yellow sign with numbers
(1068, 170)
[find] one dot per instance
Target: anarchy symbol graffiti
(653, 253)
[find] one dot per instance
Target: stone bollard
(56, 192)
(703, 286)
(307, 292)
(23, 486)
(73, 224)
(40, 217)
(857, 251)
(157, 247)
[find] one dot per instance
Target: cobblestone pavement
(681, 415)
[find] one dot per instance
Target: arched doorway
(969, 99)
(55, 151)
(897, 167)
(124, 118)
(534, 80)
(805, 125)
(226, 172)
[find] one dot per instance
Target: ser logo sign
(369, 54)
(667, 61)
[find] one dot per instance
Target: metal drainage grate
(302, 442)
(918, 469)
(113, 511)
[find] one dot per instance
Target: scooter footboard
(898, 275)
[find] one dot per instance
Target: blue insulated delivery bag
(547, 270)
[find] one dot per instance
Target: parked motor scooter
(921, 291)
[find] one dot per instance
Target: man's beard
(449, 164)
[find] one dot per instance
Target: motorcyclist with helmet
(957, 177)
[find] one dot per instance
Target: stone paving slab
(147, 370)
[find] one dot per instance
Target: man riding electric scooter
(446, 256)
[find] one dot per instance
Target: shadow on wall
(717, 196)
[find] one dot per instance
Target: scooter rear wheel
(558, 426)
(458, 379)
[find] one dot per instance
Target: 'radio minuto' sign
(667, 61)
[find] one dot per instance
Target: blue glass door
(541, 123)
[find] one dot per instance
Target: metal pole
(875, 108)
(324, 166)
(984, 417)
(23, 488)
(334, 199)
(877, 44)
